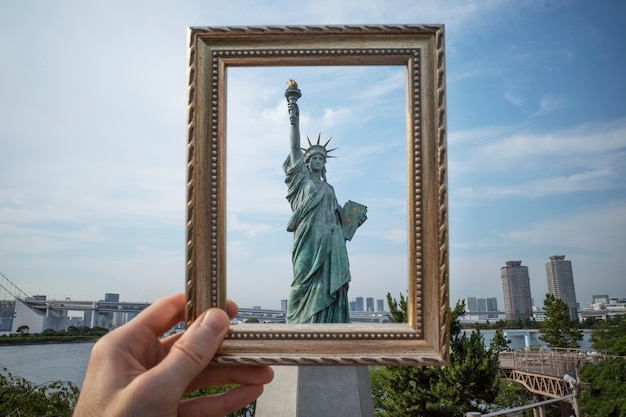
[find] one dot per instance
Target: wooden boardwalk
(543, 372)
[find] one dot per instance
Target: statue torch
(292, 94)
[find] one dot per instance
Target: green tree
(19, 397)
(604, 388)
(468, 383)
(610, 335)
(499, 341)
(511, 395)
(252, 320)
(557, 330)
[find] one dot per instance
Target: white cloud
(588, 157)
(590, 138)
(547, 105)
(596, 180)
(601, 229)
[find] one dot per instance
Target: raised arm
(293, 94)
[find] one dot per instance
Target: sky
(93, 132)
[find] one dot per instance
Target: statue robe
(321, 271)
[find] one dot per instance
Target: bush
(20, 397)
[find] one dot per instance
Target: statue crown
(317, 148)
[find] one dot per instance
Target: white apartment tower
(516, 291)
(561, 283)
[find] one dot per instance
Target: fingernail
(213, 322)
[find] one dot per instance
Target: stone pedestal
(317, 391)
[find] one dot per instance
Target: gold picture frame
(424, 340)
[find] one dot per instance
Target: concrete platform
(317, 391)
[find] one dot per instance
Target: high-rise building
(470, 304)
(561, 283)
(369, 304)
(516, 291)
(492, 305)
(359, 304)
(380, 305)
(478, 307)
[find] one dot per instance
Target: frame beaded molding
(413, 56)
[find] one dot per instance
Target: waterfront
(518, 342)
(48, 362)
(68, 361)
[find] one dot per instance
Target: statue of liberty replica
(320, 226)
(319, 290)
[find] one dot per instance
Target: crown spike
(318, 147)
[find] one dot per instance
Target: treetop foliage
(604, 388)
(469, 383)
(558, 330)
(610, 335)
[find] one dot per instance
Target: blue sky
(92, 146)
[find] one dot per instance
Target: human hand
(132, 372)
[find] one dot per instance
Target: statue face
(316, 162)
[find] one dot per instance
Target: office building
(380, 305)
(480, 308)
(492, 305)
(470, 304)
(360, 306)
(111, 297)
(369, 304)
(600, 299)
(516, 291)
(561, 283)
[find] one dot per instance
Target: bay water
(68, 361)
(47, 362)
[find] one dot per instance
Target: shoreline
(45, 340)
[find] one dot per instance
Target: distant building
(37, 320)
(600, 299)
(561, 283)
(7, 310)
(492, 305)
(479, 308)
(369, 304)
(603, 307)
(470, 304)
(516, 291)
(283, 305)
(380, 305)
(111, 298)
(359, 304)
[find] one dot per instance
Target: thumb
(193, 352)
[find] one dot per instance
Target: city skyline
(92, 146)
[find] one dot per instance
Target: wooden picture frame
(424, 340)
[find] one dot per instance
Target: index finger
(162, 315)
